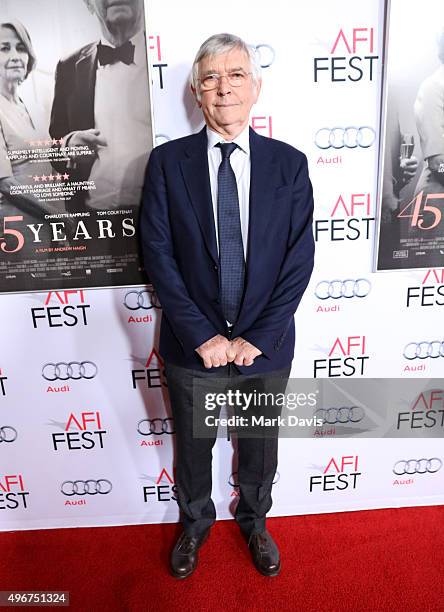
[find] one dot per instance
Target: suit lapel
(85, 88)
(197, 180)
(263, 182)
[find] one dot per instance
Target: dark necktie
(231, 252)
(112, 55)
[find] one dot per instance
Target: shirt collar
(138, 41)
(242, 140)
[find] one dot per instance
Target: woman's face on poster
(13, 56)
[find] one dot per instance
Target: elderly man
(101, 101)
(227, 237)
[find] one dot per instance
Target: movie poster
(75, 137)
(411, 177)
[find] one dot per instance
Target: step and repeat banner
(86, 434)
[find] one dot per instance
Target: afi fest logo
(153, 374)
(3, 380)
(351, 218)
(163, 488)
(346, 357)
(351, 58)
(157, 63)
(62, 309)
(426, 413)
(87, 432)
(13, 494)
(340, 474)
(430, 292)
(263, 124)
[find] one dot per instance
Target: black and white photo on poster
(411, 177)
(75, 136)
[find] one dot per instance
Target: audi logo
(347, 288)
(233, 482)
(86, 487)
(266, 54)
(74, 370)
(8, 434)
(345, 414)
(417, 466)
(145, 299)
(424, 350)
(156, 427)
(350, 137)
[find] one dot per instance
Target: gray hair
(221, 43)
(23, 34)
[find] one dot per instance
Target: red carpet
(373, 561)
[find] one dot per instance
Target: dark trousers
(257, 456)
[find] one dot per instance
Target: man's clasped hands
(219, 351)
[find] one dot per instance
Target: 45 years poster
(75, 136)
(411, 183)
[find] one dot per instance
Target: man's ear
(194, 92)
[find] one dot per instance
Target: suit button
(216, 267)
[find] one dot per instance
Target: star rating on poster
(51, 177)
(50, 142)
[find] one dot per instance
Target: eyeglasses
(212, 81)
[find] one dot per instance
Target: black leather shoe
(265, 553)
(184, 555)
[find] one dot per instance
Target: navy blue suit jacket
(181, 258)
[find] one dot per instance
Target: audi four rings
(74, 370)
(350, 137)
(424, 350)
(8, 433)
(347, 288)
(144, 299)
(345, 414)
(266, 62)
(417, 466)
(156, 427)
(86, 487)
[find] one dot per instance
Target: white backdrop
(92, 427)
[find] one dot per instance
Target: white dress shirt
(122, 114)
(240, 162)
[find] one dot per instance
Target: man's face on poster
(117, 13)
